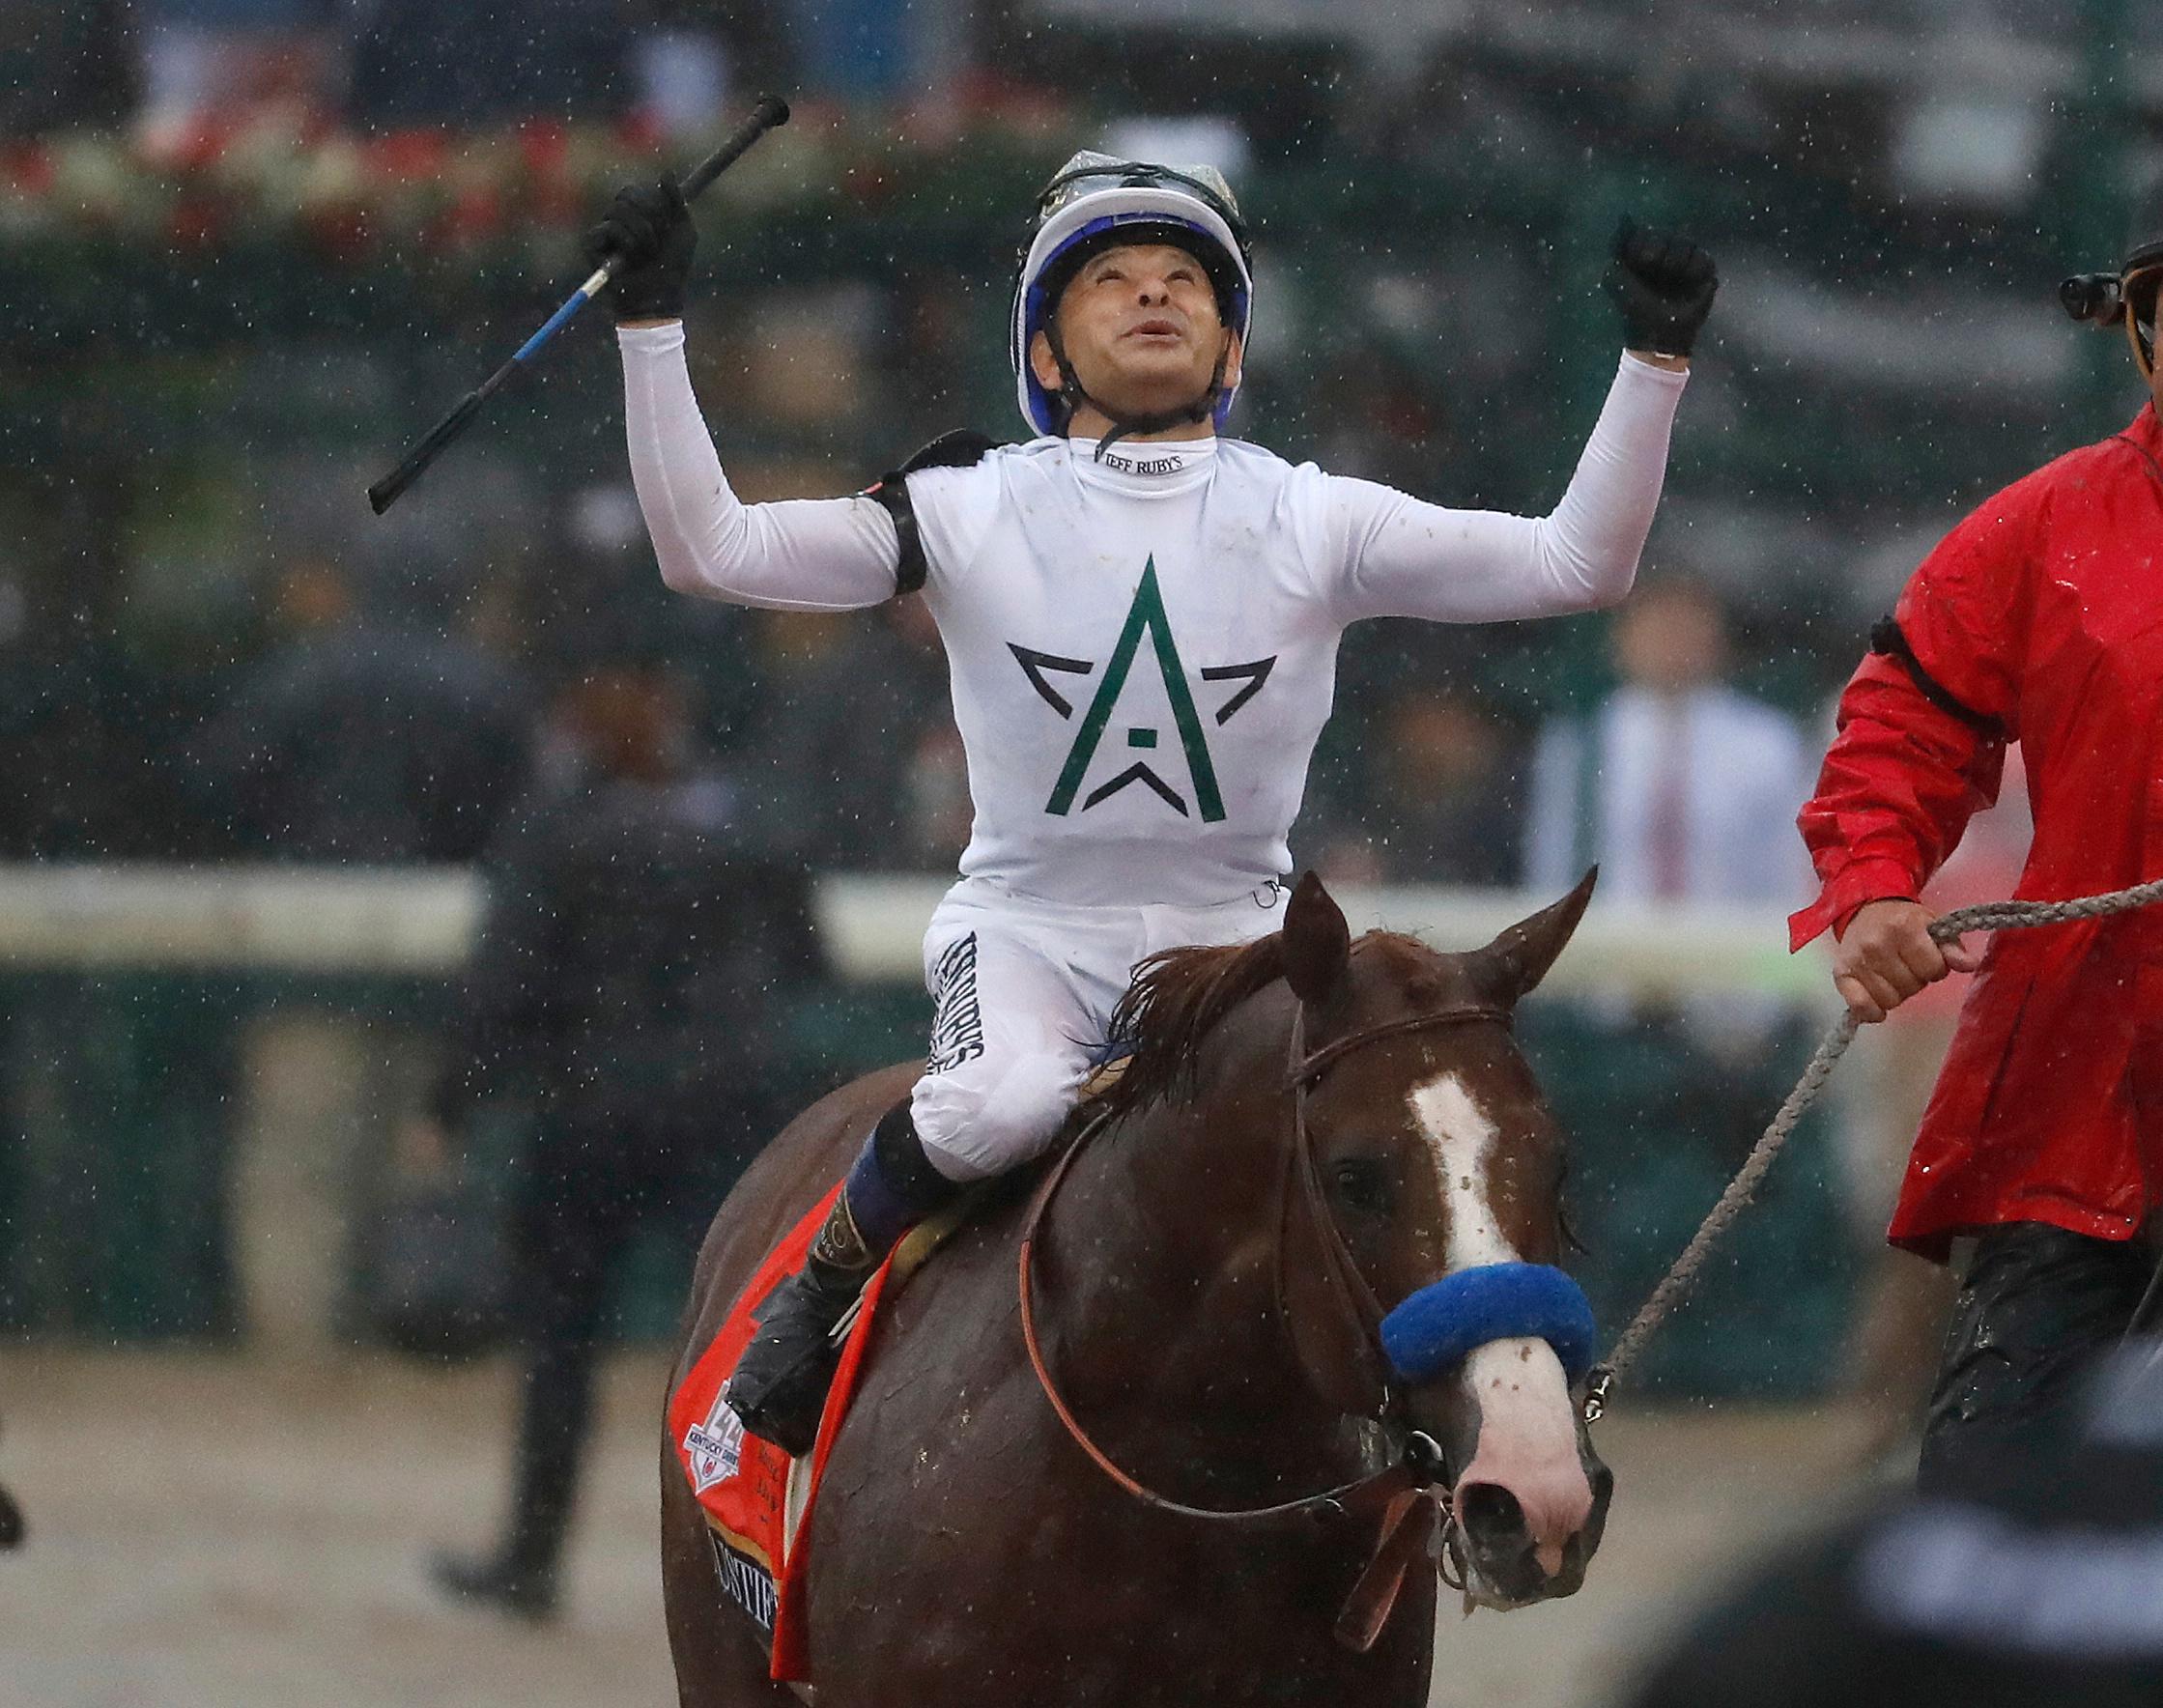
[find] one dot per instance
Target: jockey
(2033, 621)
(1140, 620)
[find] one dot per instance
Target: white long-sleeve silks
(1399, 556)
(1142, 641)
(795, 555)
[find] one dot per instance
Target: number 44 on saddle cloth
(743, 1483)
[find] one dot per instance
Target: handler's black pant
(2038, 1307)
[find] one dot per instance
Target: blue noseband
(1435, 1327)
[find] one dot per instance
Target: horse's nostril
(1490, 1511)
(1499, 1543)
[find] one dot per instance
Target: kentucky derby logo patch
(713, 1450)
(1146, 619)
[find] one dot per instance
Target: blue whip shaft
(572, 304)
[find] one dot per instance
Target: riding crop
(1675, 1285)
(771, 112)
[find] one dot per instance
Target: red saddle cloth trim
(742, 1482)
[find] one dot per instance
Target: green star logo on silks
(1144, 617)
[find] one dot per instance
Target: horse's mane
(1180, 995)
(1177, 997)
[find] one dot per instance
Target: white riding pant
(1024, 991)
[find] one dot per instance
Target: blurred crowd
(198, 639)
(371, 723)
(166, 65)
(198, 635)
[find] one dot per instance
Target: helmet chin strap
(1071, 394)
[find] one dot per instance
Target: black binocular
(2094, 297)
(2124, 299)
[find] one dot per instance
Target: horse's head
(1440, 1167)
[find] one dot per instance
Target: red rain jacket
(2038, 619)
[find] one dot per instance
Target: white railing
(420, 921)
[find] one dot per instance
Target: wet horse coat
(964, 1550)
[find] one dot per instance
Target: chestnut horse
(1306, 1122)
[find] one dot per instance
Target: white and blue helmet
(1099, 200)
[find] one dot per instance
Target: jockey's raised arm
(791, 555)
(1390, 554)
(1399, 556)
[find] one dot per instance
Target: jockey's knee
(973, 1127)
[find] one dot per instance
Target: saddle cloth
(756, 1499)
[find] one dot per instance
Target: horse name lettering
(748, 1584)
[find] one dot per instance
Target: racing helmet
(1098, 200)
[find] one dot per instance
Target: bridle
(1301, 1185)
(1410, 1492)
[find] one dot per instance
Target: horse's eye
(1362, 1184)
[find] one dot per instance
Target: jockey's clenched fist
(649, 232)
(1664, 285)
(1887, 955)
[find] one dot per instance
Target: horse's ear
(1519, 958)
(1317, 943)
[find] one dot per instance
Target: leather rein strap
(1357, 1495)
(1403, 1491)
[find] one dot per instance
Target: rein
(1405, 1491)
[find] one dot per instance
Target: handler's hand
(1887, 955)
(1664, 285)
(649, 226)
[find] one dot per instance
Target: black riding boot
(779, 1385)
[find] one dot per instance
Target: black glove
(649, 225)
(1664, 285)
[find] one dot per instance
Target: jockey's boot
(779, 1385)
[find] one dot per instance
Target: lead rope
(1674, 1287)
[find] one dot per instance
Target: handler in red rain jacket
(2039, 619)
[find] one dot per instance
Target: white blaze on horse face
(1529, 1434)
(1462, 1140)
